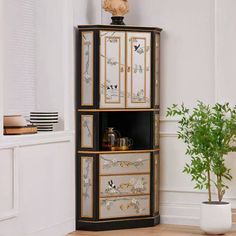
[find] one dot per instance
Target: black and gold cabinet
(117, 86)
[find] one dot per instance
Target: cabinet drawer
(124, 207)
(124, 185)
(124, 163)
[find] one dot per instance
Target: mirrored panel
(156, 129)
(138, 69)
(87, 131)
(87, 79)
(157, 66)
(156, 182)
(112, 69)
(87, 187)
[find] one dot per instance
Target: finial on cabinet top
(118, 8)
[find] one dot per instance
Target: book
(30, 129)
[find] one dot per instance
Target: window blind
(19, 56)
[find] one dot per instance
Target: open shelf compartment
(135, 125)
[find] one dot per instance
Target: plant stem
(209, 185)
(219, 189)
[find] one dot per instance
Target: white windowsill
(11, 141)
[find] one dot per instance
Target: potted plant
(209, 133)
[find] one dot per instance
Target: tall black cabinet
(117, 85)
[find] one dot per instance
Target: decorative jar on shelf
(110, 137)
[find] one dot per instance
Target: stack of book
(17, 124)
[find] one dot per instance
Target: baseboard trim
(179, 220)
(174, 211)
(62, 228)
(187, 220)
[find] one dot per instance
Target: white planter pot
(216, 218)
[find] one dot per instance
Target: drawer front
(124, 185)
(124, 207)
(124, 163)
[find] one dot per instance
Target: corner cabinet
(117, 85)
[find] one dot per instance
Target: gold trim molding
(119, 152)
(118, 110)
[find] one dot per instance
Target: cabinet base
(117, 224)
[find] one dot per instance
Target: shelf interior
(135, 125)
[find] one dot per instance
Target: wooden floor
(160, 230)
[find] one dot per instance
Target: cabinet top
(119, 27)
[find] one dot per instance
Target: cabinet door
(138, 70)
(112, 69)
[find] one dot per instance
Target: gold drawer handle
(128, 69)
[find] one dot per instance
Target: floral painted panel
(124, 185)
(87, 131)
(124, 163)
(138, 70)
(87, 187)
(157, 66)
(112, 69)
(124, 207)
(156, 129)
(87, 79)
(156, 182)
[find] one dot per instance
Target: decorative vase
(110, 137)
(118, 8)
(215, 217)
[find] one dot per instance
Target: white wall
(86, 12)
(1, 63)
(198, 55)
(225, 57)
(37, 173)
